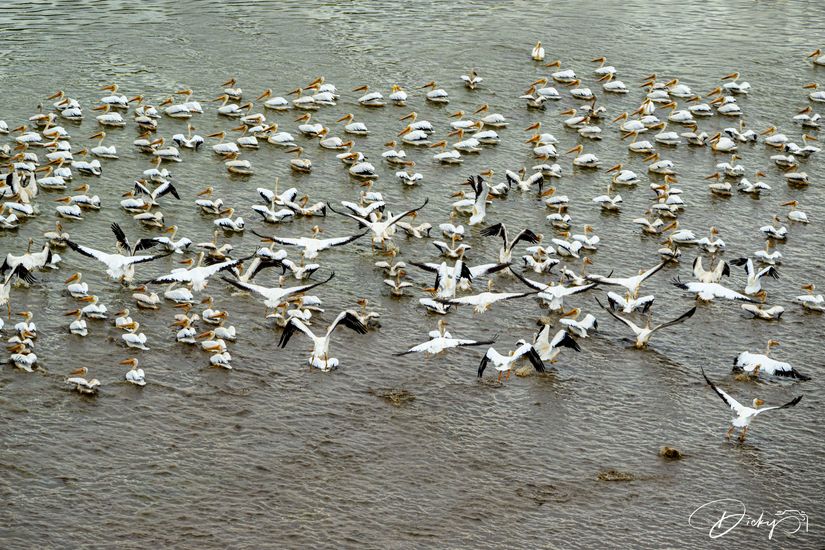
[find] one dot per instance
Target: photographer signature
(720, 517)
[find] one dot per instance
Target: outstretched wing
(528, 351)
(303, 288)
(348, 319)
(339, 241)
(120, 236)
(681, 319)
(563, 339)
(89, 252)
(629, 323)
(395, 219)
(787, 405)
(729, 401)
(294, 325)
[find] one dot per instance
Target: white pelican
(584, 160)
(440, 340)
(231, 110)
(228, 224)
(622, 176)
(553, 294)
(100, 150)
(319, 357)
(756, 363)
(446, 157)
(146, 299)
(195, 275)
(754, 277)
(436, 94)
(135, 375)
(132, 338)
(494, 120)
(274, 297)
(370, 99)
(275, 103)
(81, 384)
(119, 267)
(75, 287)
(644, 333)
(122, 318)
(504, 363)
(398, 96)
(766, 313)
(548, 349)
(312, 245)
(632, 284)
(95, 310)
(381, 228)
(706, 292)
(505, 253)
(576, 327)
(768, 256)
(78, 326)
(613, 86)
(776, 233)
(629, 304)
(816, 95)
(715, 275)
(745, 415)
(235, 165)
(811, 301)
(538, 52)
(109, 118)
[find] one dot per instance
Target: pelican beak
(74, 277)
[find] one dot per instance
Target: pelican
(569, 320)
(312, 245)
(553, 294)
(277, 103)
(135, 375)
(549, 348)
(755, 363)
(505, 253)
(81, 384)
(78, 326)
(436, 94)
(622, 176)
(632, 284)
(811, 301)
(319, 357)
(745, 415)
(504, 363)
(494, 120)
(274, 297)
(754, 277)
(706, 292)
(715, 275)
(75, 287)
(370, 99)
(643, 334)
(146, 299)
(381, 228)
(132, 338)
(398, 96)
(195, 275)
(629, 304)
(538, 52)
(119, 267)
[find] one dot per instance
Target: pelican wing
(681, 319)
(339, 241)
(787, 405)
(348, 319)
(395, 219)
(631, 324)
(730, 401)
(294, 325)
(486, 269)
(528, 351)
(563, 339)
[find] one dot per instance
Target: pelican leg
(507, 378)
(743, 434)
(730, 432)
(499, 376)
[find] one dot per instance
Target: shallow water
(270, 454)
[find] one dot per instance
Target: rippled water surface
(272, 455)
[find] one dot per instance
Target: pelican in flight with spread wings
(319, 358)
(744, 414)
(644, 333)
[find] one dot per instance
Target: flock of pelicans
(42, 160)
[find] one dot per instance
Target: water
(270, 454)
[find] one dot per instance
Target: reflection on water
(271, 452)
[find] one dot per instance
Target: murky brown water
(271, 455)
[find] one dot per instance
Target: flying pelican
(504, 363)
(644, 333)
(440, 340)
(755, 363)
(319, 357)
(744, 414)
